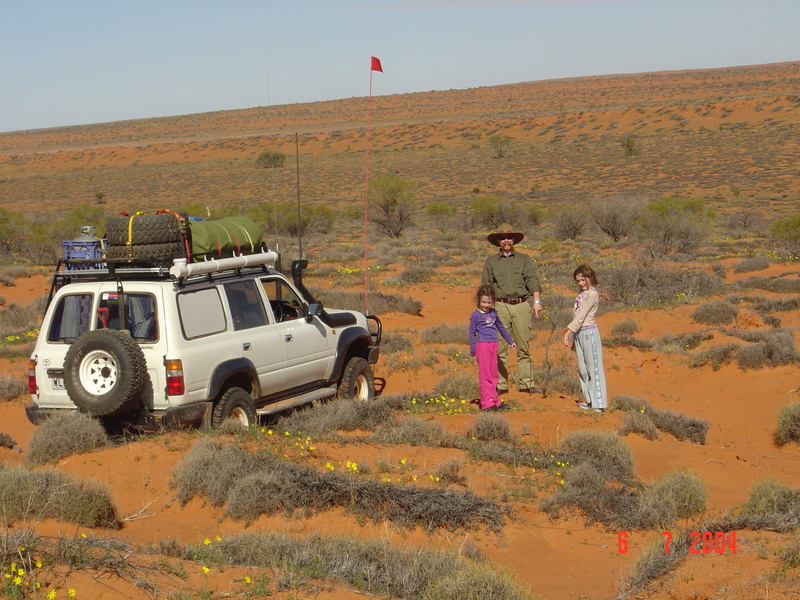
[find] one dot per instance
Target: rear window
(201, 313)
(71, 318)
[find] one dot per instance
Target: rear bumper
(194, 414)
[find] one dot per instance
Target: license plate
(58, 383)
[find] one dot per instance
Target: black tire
(235, 404)
(105, 372)
(146, 253)
(357, 380)
(143, 229)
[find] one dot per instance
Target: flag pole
(375, 65)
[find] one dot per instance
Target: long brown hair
(587, 272)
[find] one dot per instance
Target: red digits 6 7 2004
(705, 542)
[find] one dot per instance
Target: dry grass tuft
(65, 435)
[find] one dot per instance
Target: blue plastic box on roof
(86, 245)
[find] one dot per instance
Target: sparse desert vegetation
(657, 180)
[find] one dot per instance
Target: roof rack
(182, 269)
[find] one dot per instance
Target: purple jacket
(483, 327)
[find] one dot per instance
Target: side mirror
(314, 310)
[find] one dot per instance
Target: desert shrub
(635, 284)
(477, 583)
(341, 414)
(671, 224)
(786, 234)
(412, 273)
(680, 426)
(586, 489)
(678, 495)
(569, 222)
(682, 342)
(462, 385)
(6, 441)
(489, 427)
(616, 217)
(715, 356)
(637, 422)
(392, 202)
(677, 425)
(11, 387)
(445, 334)
(789, 555)
(411, 430)
(653, 563)
(557, 377)
(719, 270)
(626, 341)
(625, 327)
(210, 469)
(757, 263)
(744, 222)
(768, 348)
(788, 427)
(265, 485)
(17, 318)
(64, 435)
(491, 211)
(448, 472)
(716, 312)
(771, 502)
(379, 302)
(375, 566)
(51, 494)
(270, 159)
(779, 285)
(606, 453)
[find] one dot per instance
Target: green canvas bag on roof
(224, 237)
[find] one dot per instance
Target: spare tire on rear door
(105, 372)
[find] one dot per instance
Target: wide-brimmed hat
(505, 229)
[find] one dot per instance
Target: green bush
(773, 503)
(271, 159)
(64, 435)
(788, 428)
(786, 234)
(678, 495)
(673, 224)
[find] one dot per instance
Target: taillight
(32, 376)
(175, 383)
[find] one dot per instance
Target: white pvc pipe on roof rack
(181, 268)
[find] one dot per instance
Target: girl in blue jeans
(484, 327)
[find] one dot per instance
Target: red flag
(376, 65)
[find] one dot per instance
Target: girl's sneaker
(598, 410)
(584, 405)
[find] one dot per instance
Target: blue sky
(71, 62)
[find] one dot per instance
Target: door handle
(247, 346)
(288, 337)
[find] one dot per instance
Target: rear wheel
(235, 404)
(357, 380)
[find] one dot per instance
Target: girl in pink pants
(484, 326)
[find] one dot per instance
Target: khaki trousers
(517, 319)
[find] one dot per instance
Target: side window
(140, 315)
(286, 305)
(201, 313)
(71, 318)
(247, 308)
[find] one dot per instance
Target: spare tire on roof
(158, 228)
(105, 372)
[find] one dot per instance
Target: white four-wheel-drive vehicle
(197, 342)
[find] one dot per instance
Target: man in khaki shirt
(516, 284)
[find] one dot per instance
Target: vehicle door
(308, 347)
(259, 339)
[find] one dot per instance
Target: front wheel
(235, 404)
(357, 380)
